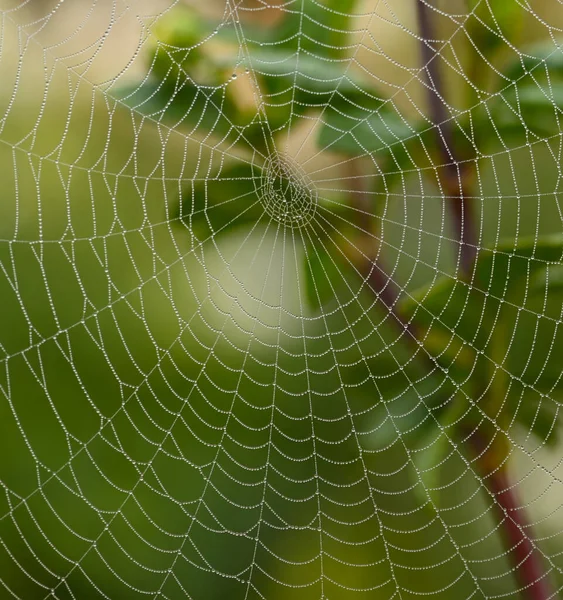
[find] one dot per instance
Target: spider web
(207, 390)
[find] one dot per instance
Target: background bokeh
(107, 301)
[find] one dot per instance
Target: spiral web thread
(177, 421)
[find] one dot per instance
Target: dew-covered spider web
(281, 291)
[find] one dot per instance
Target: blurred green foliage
(408, 402)
(480, 333)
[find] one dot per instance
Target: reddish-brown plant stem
(525, 557)
(527, 562)
(452, 173)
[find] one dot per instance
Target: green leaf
(360, 133)
(296, 82)
(321, 26)
(509, 266)
(308, 71)
(179, 104)
(176, 41)
(548, 280)
(528, 109)
(467, 313)
(541, 416)
(198, 110)
(537, 98)
(324, 274)
(408, 408)
(494, 23)
(226, 200)
(296, 75)
(397, 145)
(180, 40)
(535, 61)
(448, 310)
(530, 92)
(501, 316)
(400, 146)
(498, 273)
(534, 337)
(384, 135)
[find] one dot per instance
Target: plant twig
(453, 175)
(526, 560)
(527, 563)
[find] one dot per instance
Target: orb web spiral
(287, 193)
(281, 299)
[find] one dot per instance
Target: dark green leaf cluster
(479, 337)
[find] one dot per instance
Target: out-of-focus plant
(471, 334)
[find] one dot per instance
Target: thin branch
(452, 176)
(528, 566)
(525, 557)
